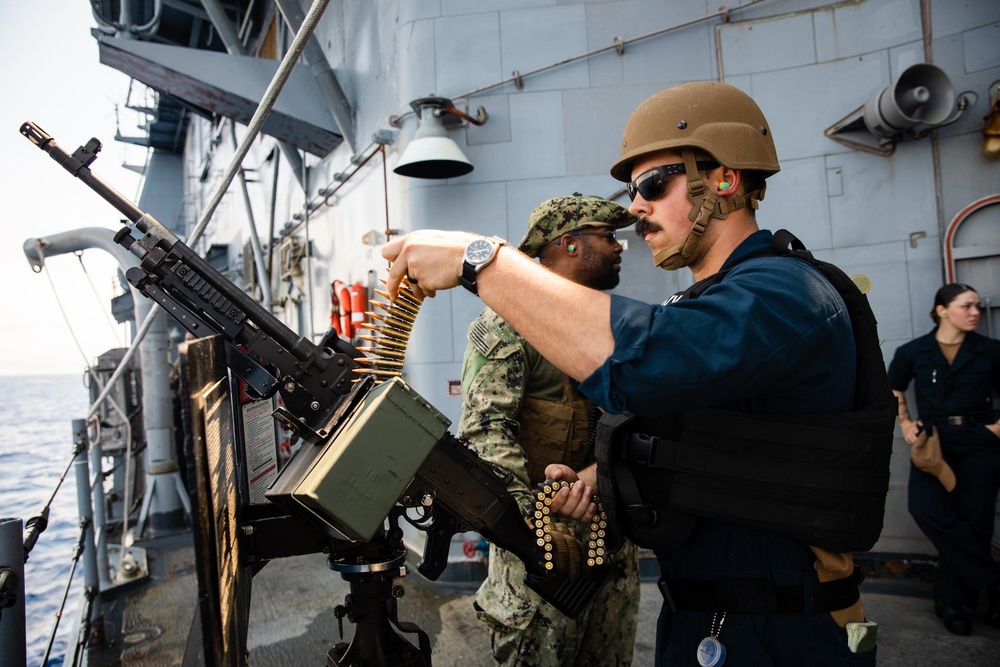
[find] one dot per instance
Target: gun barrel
(77, 164)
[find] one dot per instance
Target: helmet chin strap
(705, 205)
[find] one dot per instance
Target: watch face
(478, 251)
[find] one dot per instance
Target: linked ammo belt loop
(760, 597)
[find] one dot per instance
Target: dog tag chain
(711, 652)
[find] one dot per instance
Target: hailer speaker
(922, 94)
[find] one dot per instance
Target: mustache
(645, 226)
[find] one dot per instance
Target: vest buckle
(644, 516)
(639, 448)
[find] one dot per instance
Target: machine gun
(341, 481)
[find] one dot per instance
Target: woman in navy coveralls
(955, 371)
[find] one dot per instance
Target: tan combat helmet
(707, 116)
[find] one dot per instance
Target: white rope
(104, 390)
(93, 288)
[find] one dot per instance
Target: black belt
(761, 597)
(961, 420)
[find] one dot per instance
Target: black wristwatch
(478, 254)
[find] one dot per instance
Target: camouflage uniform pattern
(555, 217)
(500, 370)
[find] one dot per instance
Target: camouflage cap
(555, 217)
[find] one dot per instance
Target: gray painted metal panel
(497, 128)
(965, 174)
(537, 146)
(467, 52)
(163, 194)
(885, 200)
(801, 103)
(418, 74)
(946, 21)
(981, 50)
(856, 29)
(949, 55)
(593, 122)
(796, 199)
(749, 46)
(414, 10)
(463, 6)
(529, 38)
(685, 54)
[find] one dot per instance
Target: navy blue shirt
(773, 336)
(963, 388)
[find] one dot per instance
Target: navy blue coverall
(958, 401)
(774, 336)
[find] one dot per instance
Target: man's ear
(567, 242)
(728, 183)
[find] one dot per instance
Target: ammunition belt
(559, 548)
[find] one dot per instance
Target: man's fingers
(397, 271)
(574, 502)
(560, 471)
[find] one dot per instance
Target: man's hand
(995, 428)
(431, 258)
(911, 430)
(575, 502)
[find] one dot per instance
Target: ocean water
(36, 446)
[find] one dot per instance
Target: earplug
(723, 185)
(571, 247)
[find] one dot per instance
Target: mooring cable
(84, 524)
(34, 526)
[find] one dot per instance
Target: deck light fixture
(431, 153)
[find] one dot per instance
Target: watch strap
(467, 278)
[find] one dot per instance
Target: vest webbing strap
(803, 456)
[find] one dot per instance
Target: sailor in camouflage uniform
(522, 413)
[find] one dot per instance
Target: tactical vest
(554, 432)
(821, 479)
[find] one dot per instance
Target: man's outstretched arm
(569, 324)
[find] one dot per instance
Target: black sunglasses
(651, 184)
(609, 234)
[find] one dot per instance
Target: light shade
(431, 154)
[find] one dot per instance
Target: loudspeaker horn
(922, 94)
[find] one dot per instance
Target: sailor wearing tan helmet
(758, 334)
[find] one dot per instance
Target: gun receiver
(455, 490)
(466, 493)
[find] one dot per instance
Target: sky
(51, 75)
